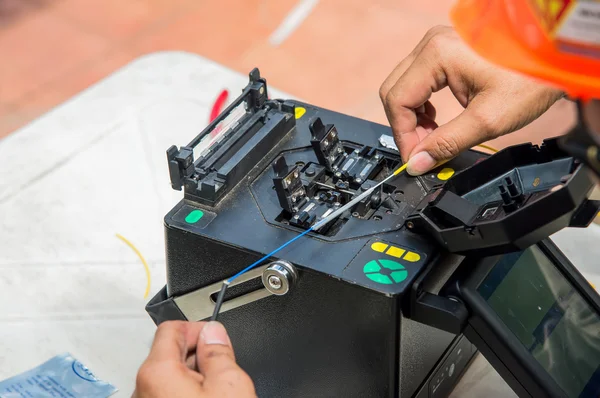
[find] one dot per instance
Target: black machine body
(358, 308)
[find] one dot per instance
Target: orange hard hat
(557, 41)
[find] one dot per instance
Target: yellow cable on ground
(128, 243)
(489, 148)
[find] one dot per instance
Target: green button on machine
(384, 271)
(194, 216)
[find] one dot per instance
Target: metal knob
(279, 277)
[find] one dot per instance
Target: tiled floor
(337, 58)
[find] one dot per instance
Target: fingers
(191, 362)
(170, 371)
(430, 110)
(447, 141)
(164, 373)
(216, 361)
(413, 90)
(406, 62)
(496, 101)
(402, 109)
(504, 108)
(174, 339)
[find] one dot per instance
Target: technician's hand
(496, 101)
(192, 359)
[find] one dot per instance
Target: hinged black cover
(508, 201)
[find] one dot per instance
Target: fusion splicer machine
(395, 296)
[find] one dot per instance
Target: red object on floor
(218, 105)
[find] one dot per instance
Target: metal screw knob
(279, 277)
(275, 282)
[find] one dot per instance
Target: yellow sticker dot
(412, 257)
(379, 247)
(395, 252)
(299, 112)
(445, 174)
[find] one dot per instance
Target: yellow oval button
(412, 257)
(299, 112)
(445, 174)
(395, 252)
(379, 247)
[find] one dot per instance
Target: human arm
(496, 101)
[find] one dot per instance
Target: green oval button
(194, 216)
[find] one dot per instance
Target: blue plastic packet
(61, 376)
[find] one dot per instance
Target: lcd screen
(549, 317)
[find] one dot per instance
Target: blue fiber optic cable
(315, 227)
(221, 295)
(254, 264)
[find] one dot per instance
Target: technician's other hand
(496, 101)
(192, 359)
